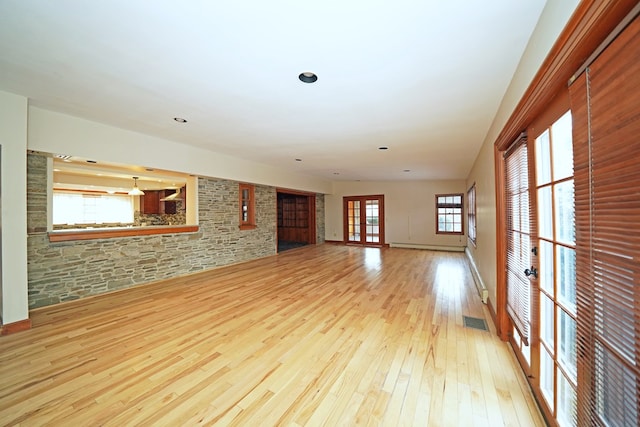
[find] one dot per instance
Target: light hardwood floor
(325, 335)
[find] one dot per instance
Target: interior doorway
(296, 219)
(364, 220)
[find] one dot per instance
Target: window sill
(247, 226)
(108, 233)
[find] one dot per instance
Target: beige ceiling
(78, 174)
(422, 77)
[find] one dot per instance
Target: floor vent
(475, 323)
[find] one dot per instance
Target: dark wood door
(296, 217)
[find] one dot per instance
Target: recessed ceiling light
(180, 120)
(308, 77)
(383, 148)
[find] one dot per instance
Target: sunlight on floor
(372, 260)
(449, 278)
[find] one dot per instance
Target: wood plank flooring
(322, 335)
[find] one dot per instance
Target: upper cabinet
(150, 202)
(153, 202)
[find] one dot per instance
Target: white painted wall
(552, 21)
(52, 132)
(410, 215)
(13, 139)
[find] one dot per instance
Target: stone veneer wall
(320, 219)
(66, 271)
(36, 193)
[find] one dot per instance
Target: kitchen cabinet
(151, 202)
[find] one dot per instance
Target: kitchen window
(84, 208)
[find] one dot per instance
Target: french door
(556, 293)
(364, 220)
(540, 271)
(581, 351)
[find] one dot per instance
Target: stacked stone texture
(65, 271)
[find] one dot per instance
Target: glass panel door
(557, 292)
(353, 220)
(373, 221)
(364, 220)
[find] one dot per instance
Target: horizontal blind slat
(518, 238)
(606, 124)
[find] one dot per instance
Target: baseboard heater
(482, 289)
(427, 247)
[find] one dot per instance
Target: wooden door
(296, 217)
(364, 220)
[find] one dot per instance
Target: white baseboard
(427, 247)
(482, 289)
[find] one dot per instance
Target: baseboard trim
(11, 328)
(366, 245)
(334, 242)
(427, 247)
(482, 289)
(492, 312)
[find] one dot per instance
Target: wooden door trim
(503, 323)
(312, 235)
(589, 26)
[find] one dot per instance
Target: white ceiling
(423, 77)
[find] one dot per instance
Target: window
(247, 207)
(82, 208)
(449, 207)
(471, 215)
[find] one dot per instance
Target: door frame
(345, 220)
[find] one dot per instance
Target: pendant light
(135, 191)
